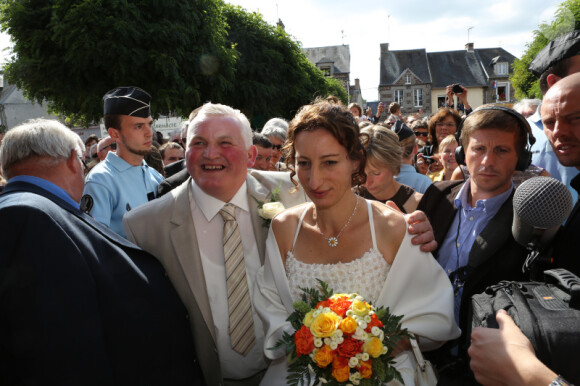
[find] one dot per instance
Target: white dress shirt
(209, 230)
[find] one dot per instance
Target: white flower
(375, 331)
(333, 345)
(367, 318)
(270, 209)
(327, 341)
(355, 378)
(385, 350)
(349, 313)
(339, 340)
(353, 362)
(318, 342)
(365, 356)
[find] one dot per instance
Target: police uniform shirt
(114, 187)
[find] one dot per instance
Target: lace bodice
(364, 275)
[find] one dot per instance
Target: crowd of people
(136, 260)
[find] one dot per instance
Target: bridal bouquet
(340, 339)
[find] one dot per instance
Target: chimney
(384, 48)
(469, 47)
(357, 84)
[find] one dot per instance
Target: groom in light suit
(219, 152)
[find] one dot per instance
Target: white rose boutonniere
(268, 210)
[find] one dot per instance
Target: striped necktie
(241, 329)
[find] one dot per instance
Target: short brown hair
(331, 115)
(496, 119)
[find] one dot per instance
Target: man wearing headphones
(472, 219)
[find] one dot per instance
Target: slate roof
(340, 55)
(487, 56)
(470, 68)
(393, 63)
(450, 67)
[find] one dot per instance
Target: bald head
(561, 119)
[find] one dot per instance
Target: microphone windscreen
(543, 202)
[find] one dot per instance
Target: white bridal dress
(414, 286)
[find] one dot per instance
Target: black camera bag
(548, 313)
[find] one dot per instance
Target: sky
(440, 25)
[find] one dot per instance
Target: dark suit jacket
(79, 305)
(174, 168)
(170, 183)
(495, 254)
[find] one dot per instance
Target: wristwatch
(559, 381)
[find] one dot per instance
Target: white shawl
(416, 287)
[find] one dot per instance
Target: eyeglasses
(420, 134)
(448, 124)
(277, 147)
(84, 164)
(113, 146)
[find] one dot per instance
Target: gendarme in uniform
(114, 186)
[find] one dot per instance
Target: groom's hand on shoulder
(419, 226)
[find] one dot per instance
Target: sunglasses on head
(277, 147)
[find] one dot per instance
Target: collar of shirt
(536, 117)
(48, 186)
(490, 206)
(119, 163)
(210, 206)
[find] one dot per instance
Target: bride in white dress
(352, 244)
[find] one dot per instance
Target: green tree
(567, 18)
(273, 78)
(70, 52)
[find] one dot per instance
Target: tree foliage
(567, 19)
(71, 52)
(273, 78)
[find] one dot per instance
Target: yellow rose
(307, 321)
(270, 209)
(348, 325)
(324, 356)
(374, 347)
(360, 308)
(325, 324)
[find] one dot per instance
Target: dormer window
(326, 70)
(407, 79)
(501, 68)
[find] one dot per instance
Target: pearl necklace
(333, 241)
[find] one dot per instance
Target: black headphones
(525, 155)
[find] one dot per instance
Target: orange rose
(322, 304)
(348, 325)
(304, 341)
(375, 322)
(339, 305)
(324, 356)
(340, 369)
(365, 369)
(350, 347)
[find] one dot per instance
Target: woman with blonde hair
(384, 159)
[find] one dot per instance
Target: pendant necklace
(333, 241)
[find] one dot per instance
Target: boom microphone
(541, 205)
